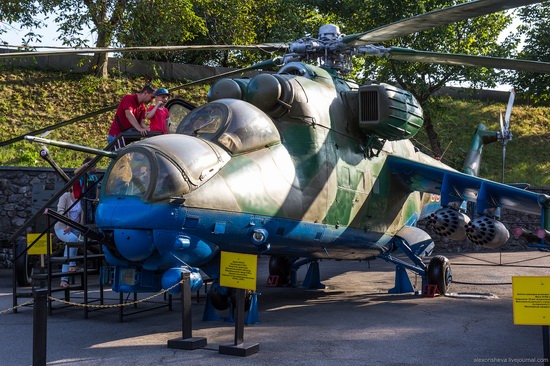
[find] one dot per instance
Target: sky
(49, 35)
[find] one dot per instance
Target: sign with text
(41, 246)
(531, 297)
(238, 270)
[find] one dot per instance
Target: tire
(439, 273)
(219, 297)
(23, 268)
(280, 266)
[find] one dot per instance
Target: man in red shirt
(131, 113)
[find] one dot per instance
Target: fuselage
(294, 178)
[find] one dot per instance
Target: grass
(527, 155)
(34, 99)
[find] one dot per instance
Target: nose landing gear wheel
(439, 273)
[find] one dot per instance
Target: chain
(16, 307)
(115, 305)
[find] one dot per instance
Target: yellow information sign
(41, 246)
(238, 270)
(531, 296)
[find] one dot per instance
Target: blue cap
(161, 91)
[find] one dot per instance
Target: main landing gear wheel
(439, 273)
(280, 266)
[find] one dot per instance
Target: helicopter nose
(134, 244)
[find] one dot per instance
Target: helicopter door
(178, 109)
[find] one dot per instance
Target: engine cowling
(448, 222)
(488, 232)
(389, 112)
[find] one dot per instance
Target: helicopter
(302, 165)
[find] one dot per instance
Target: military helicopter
(302, 165)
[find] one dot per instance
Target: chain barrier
(94, 305)
(16, 307)
(115, 305)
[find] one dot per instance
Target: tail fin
(481, 138)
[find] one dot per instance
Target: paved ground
(352, 322)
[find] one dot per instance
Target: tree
(242, 22)
(108, 19)
(475, 36)
(159, 23)
(102, 16)
(24, 13)
(535, 29)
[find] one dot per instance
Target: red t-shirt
(158, 122)
(77, 189)
(128, 102)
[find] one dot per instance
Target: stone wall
(24, 190)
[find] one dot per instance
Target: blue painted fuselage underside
(174, 234)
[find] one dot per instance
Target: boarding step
(76, 258)
(57, 274)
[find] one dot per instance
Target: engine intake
(389, 112)
(487, 232)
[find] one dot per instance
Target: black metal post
(186, 321)
(187, 341)
(239, 316)
(39, 327)
(546, 344)
(239, 348)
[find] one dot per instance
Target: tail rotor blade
(501, 126)
(509, 109)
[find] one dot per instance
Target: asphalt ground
(354, 321)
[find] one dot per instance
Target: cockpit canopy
(165, 166)
(175, 164)
(233, 124)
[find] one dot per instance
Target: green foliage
(536, 31)
(159, 23)
(35, 99)
(246, 22)
(527, 155)
(478, 36)
(23, 12)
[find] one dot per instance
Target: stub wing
(454, 186)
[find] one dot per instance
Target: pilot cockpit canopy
(236, 125)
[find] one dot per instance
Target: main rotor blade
(407, 54)
(267, 47)
(433, 19)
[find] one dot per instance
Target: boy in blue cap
(159, 116)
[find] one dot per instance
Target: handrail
(55, 197)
